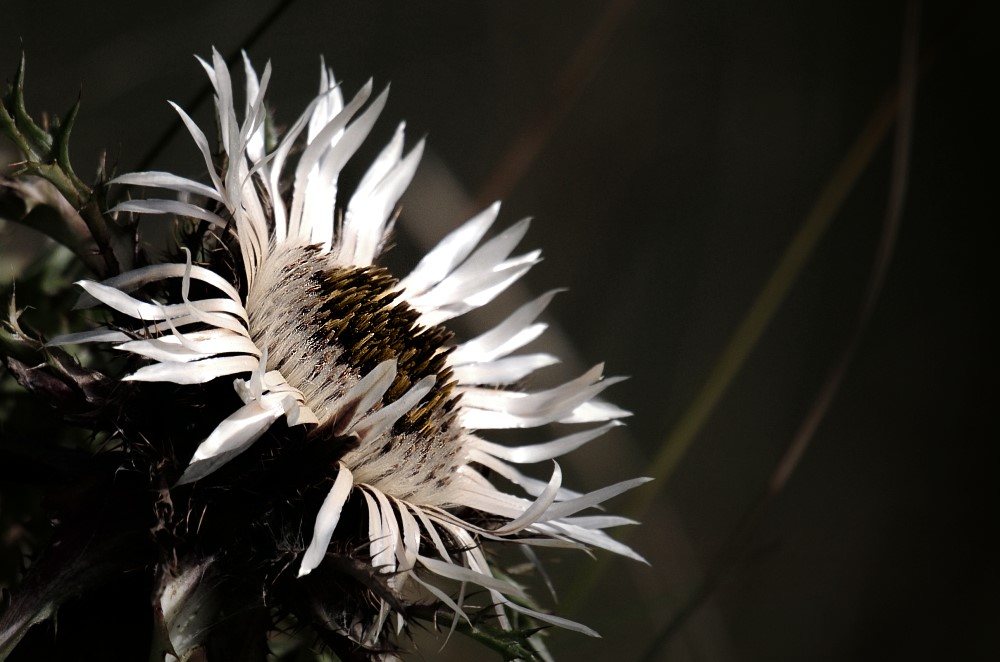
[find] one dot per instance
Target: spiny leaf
(16, 98)
(62, 145)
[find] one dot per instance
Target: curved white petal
(300, 219)
(449, 252)
(511, 334)
(372, 427)
(197, 372)
(565, 508)
(595, 522)
(233, 436)
(131, 280)
(202, 143)
(547, 618)
(503, 371)
(410, 540)
(364, 395)
(94, 335)
(588, 537)
(170, 207)
(329, 103)
(596, 411)
(478, 291)
(327, 520)
(539, 508)
(141, 310)
(532, 486)
(473, 281)
(367, 215)
(170, 348)
(382, 534)
(540, 452)
(459, 573)
(167, 180)
(492, 409)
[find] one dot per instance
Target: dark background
(669, 151)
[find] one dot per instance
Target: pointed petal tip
(192, 474)
(641, 559)
(418, 149)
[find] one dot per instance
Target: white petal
(432, 531)
(201, 141)
(488, 499)
(493, 252)
(170, 207)
(277, 168)
(387, 159)
(364, 395)
(298, 220)
(197, 372)
(459, 573)
(380, 534)
(327, 519)
(329, 102)
(95, 335)
(449, 252)
(300, 415)
(565, 508)
(219, 320)
(598, 521)
(226, 113)
(169, 181)
(537, 510)
(488, 258)
(410, 539)
(503, 371)
(479, 292)
(365, 222)
(545, 451)
(392, 534)
(494, 409)
(255, 145)
(532, 486)
(169, 348)
(511, 334)
(379, 422)
(233, 436)
(549, 618)
(458, 297)
(132, 280)
(443, 597)
(333, 160)
(588, 537)
(595, 411)
(141, 310)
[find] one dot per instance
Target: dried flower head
(356, 421)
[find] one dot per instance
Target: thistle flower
(320, 337)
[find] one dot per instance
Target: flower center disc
(327, 327)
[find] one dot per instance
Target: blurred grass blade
(755, 322)
(742, 536)
(770, 298)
